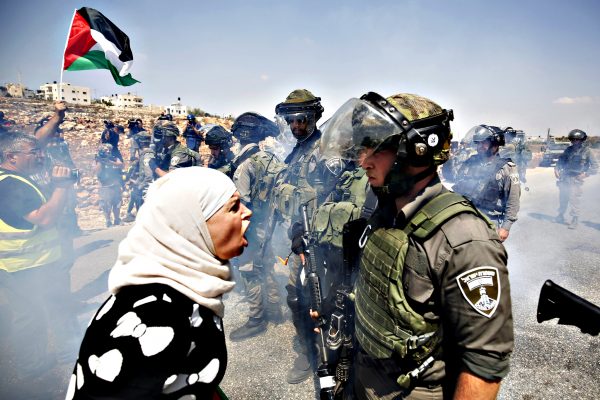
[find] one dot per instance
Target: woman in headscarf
(160, 334)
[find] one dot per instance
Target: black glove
(296, 234)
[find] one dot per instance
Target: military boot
(301, 369)
(574, 223)
(253, 327)
(274, 314)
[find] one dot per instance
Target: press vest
(21, 249)
(386, 324)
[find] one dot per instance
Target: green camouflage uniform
(252, 178)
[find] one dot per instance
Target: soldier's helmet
(415, 126)
(482, 133)
(216, 135)
(300, 105)
(162, 129)
(143, 139)
(105, 150)
(577, 134)
(253, 127)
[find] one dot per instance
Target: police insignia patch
(334, 165)
(481, 288)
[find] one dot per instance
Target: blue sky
(533, 65)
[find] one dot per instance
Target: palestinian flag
(96, 43)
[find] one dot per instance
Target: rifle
(326, 378)
(570, 309)
(340, 336)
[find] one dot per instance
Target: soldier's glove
(296, 234)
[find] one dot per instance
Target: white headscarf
(170, 243)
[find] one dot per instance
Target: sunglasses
(299, 119)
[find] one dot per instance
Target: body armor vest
(293, 187)
(267, 168)
(575, 161)
(480, 185)
(330, 217)
(386, 324)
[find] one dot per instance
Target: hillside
(82, 128)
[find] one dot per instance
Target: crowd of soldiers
(375, 160)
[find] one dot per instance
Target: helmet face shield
(301, 123)
(355, 127)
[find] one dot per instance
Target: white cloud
(264, 77)
(574, 100)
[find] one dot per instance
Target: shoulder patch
(481, 288)
(175, 160)
(335, 166)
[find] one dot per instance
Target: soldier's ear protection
(422, 138)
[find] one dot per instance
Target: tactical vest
(480, 185)
(268, 168)
(293, 188)
(330, 217)
(386, 325)
(576, 160)
(21, 249)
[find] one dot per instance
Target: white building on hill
(177, 109)
(123, 101)
(68, 93)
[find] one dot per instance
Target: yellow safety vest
(21, 249)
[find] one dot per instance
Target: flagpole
(62, 68)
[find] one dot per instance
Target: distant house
(68, 93)
(123, 101)
(177, 109)
(15, 89)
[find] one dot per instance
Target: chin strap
(398, 183)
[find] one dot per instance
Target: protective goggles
(302, 117)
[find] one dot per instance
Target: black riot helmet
(253, 127)
(577, 134)
(300, 105)
(216, 135)
(487, 132)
